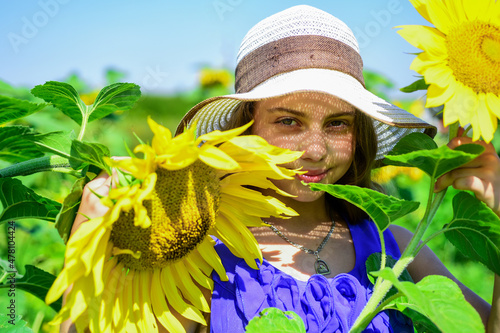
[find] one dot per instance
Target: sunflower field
(32, 249)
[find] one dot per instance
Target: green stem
(46, 163)
(382, 287)
(83, 126)
(4, 275)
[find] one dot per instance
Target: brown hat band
(296, 52)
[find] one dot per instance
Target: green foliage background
(38, 243)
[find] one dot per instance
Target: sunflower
(460, 60)
(153, 252)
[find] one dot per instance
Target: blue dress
(324, 304)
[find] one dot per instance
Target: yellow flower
(213, 77)
(153, 250)
(386, 173)
(461, 60)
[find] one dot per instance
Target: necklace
(320, 265)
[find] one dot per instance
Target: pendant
(321, 267)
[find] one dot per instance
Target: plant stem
(46, 163)
(382, 287)
(83, 126)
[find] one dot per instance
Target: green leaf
(273, 320)
(373, 265)
(439, 299)
(37, 282)
(475, 230)
(415, 150)
(13, 108)
(58, 143)
(66, 217)
(417, 85)
(117, 96)
(21, 202)
(420, 322)
(16, 144)
(86, 153)
(382, 209)
(64, 97)
(13, 323)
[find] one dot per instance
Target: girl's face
(320, 126)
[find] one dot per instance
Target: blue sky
(161, 45)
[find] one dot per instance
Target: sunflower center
(474, 56)
(182, 210)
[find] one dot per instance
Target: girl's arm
(482, 177)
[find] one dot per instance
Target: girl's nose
(314, 146)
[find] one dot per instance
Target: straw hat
(304, 49)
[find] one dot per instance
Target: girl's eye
(287, 121)
(338, 123)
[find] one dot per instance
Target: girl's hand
(91, 205)
(481, 176)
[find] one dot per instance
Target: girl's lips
(312, 176)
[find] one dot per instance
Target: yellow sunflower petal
(189, 289)
(440, 16)
(217, 159)
(235, 181)
(145, 282)
(198, 275)
(138, 304)
(129, 304)
(132, 324)
(460, 107)
(207, 251)
(475, 9)
(107, 300)
(421, 7)
(493, 103)
(216, 137)
(119, 312)
(439, 75)
(437, 96)
(162, 135)
(428, 39)
(486, 122)
(175, 299)
(260, 204)
(234, 230)
(160, 306)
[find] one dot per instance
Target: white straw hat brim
(391, 123)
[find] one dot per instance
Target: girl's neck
(310, 213)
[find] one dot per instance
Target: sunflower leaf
(382, 209)
(13, 108)
(117, 96)
(37, 282)
(439, 299)
(415, 86)
(58, 143)
(475, 230)
(67, 214)
(21, 202)
(16, 144)
(86, 153)
(273, 320)
(13, 323)
(418, 150)
(64, 97)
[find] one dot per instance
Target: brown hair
(358, 174)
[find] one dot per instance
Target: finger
(90, 206)
(483, 190)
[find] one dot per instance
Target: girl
(299, 77)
